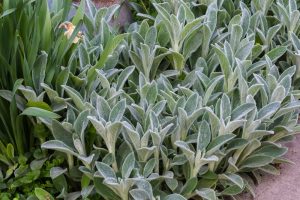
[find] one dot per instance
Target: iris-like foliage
(32, 49)
(194, 102)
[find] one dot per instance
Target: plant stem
(70, 160)
(144, 7)
(156, 155)
(114, 165)
(111, 150)
(124, 193)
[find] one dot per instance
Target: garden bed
(148, 100)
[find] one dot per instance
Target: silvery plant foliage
(195, 102)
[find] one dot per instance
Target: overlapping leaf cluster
(192, 103)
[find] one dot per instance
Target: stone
(123, 16)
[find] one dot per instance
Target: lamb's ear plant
(181, 27)
(195, 102)
(147, 54)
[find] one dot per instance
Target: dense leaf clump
(193, 101)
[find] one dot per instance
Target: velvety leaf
(150, 37)
(75, 96)
(124, 76)
(106, 171)
(189, 186)
(177, 60)
(268, 110)
(148, 169)
(204, 136)
(172, 183)
(232, 190)
(218, 142)
(236, 179)
(105, 191)
(211, 88)
(152, 93)
(117, 111)
(271, 150)
(276, 53)
(58, 146)
(61, 134)
(242, 110)
(207, 194)
(56, 172)
(174, 197)
(256, 161)
(128, 165)
(138, 194)
(190, 27)
(224, 62)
